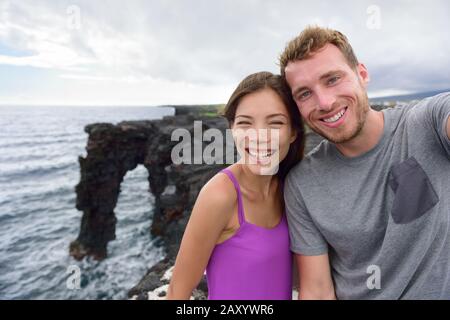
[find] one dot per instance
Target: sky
(146, 52)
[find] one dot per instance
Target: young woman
(238, 230)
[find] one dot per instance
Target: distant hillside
(213, 110)
(407, 97)
(196, 110)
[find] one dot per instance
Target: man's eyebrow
(329, 74)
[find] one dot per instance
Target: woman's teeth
(260, 154)
(336, 117)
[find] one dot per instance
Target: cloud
(202, 49)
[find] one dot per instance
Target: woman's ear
(293, 136)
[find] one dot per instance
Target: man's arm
(315, 281)
(448, 127)
(309, 246)
(436, 111)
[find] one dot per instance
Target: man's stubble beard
(362, 108)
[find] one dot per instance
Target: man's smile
(336, 119)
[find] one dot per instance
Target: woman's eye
(276, 122)
(243, 122)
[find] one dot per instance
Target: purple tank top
(254, 264)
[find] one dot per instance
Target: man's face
(330, 95)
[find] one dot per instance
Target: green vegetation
(213, 110)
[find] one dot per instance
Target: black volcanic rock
(113, 150)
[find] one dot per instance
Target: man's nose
(325, 100)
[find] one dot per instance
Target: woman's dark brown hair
(266, 80)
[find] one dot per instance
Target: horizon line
(82, 105)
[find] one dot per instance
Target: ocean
(39, 149)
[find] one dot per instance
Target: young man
(368, 208)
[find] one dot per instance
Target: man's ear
(363, 74)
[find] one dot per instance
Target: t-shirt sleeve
(436, 111)
(305, 237)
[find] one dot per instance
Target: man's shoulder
(415, 113)
(435, 99)
(313, 160)
(414, 106)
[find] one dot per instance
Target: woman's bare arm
(211, 213)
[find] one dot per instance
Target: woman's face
(262, 131)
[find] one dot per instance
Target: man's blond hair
(311, 40)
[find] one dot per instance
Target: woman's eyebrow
(269, 116)
(277, 115)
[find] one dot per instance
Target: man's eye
(303, 95)
(333, 80)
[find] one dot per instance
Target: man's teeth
(336, 117)
(260, 154)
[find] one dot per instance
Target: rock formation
(113, 150)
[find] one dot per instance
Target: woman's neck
(260, 185)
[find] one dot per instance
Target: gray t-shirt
(383, 215)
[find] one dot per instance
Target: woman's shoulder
(219, 192)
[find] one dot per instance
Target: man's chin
(337, 138)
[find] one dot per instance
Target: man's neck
(367, 139)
